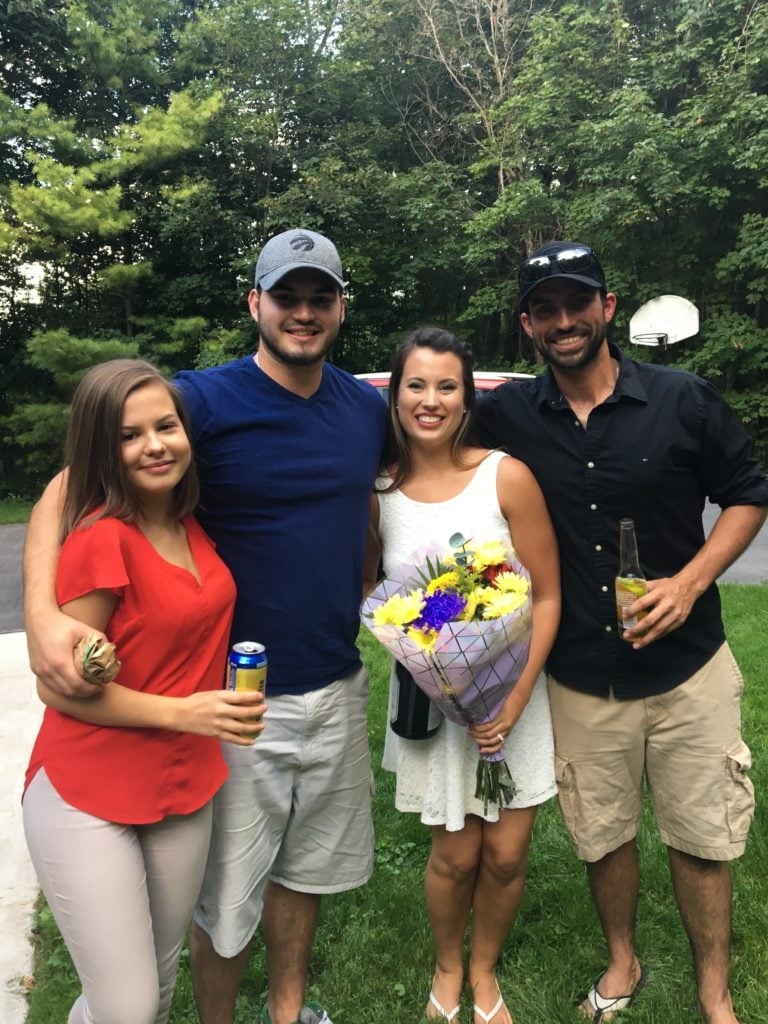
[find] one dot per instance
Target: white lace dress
(436, 776)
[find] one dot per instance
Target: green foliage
(148, 148)
(222, 345)
(62, 204)
(34, 434)
(66, 357)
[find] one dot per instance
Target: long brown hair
(96, 474)
(397, 457)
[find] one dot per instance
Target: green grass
(372, 959)
(14, 510)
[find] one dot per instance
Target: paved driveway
(11, 546)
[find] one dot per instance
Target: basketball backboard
(663, 321)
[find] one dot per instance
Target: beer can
(247, 670)
(247, 667)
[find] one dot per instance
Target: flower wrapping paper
(474, 664)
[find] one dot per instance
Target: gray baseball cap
(296, 249)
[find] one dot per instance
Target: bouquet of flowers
(460, 622)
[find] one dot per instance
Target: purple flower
(439, 608)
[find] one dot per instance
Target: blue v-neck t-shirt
(285, 489)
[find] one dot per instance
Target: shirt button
(604, 590)
(609, 629)
(598, 547)
(590, 465)
(593, 507)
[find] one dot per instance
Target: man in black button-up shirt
(609, 438)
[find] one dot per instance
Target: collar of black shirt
(628, 385)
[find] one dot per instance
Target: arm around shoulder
(221, 713)
(51, 635)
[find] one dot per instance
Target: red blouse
(172, 635)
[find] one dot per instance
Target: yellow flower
(470, 607)
(499, 604)
(425, 638)
(511, 582)
(399, 609)
(475, 598)
(491, 552)
(444, 582)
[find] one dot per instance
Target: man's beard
(289, 358)
(587, 355)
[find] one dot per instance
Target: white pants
(122, 897)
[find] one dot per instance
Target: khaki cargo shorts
(686, 742)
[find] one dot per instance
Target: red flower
(490, 572)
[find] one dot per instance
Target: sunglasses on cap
(577, 260)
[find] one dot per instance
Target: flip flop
(596, 1006)
(488, 1017)
(445, 1014)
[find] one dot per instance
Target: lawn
(14, 510)
(372, 958)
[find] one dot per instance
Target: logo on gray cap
(302, 243)
(294, 250)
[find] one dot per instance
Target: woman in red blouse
(117, 804)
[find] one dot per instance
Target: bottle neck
(629, 562)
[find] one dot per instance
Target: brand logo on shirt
(302, 243)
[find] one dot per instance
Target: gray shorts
(296, 809)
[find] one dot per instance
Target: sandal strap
(603, 1004)
(442, 1010)
(488, 1017)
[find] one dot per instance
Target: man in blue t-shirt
(287, 448)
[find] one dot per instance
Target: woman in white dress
(435, 484)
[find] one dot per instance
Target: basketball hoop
(651, 340)
(663, 321)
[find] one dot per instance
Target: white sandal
(445, 1014)
(488, 1017)
(499, 1004)
(598, 1008)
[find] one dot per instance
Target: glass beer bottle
(630, 582)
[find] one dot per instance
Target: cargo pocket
(740, 804)
(566, 793)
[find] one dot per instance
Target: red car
(485, 380)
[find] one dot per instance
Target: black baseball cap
(572, 260)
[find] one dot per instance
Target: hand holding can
(247, 669)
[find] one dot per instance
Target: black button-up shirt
(661, 443)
